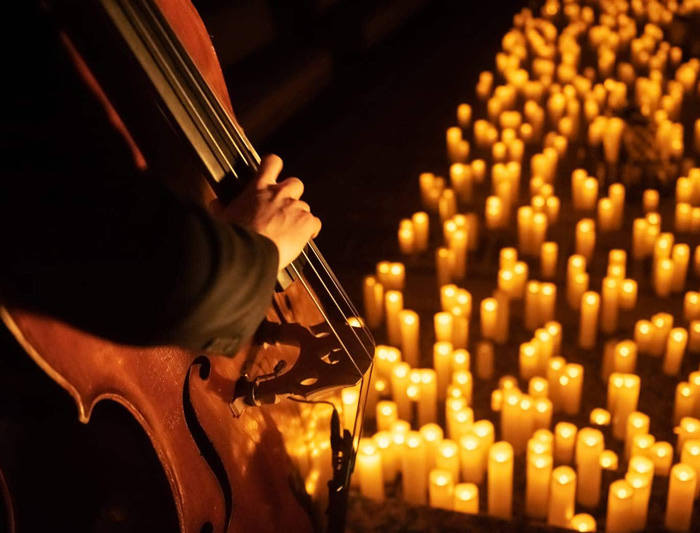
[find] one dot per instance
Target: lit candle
(662, 457)
(409, 328)
(572, 388)
(582, 522)
(628, 294)
(688, 429)
(537, 482)
(640, 501)
(589, 447)
(681, 496)
(393, 301)
(427, 405)
(484, 360)
(694, 337)
(590, 305)
(543, 413)
(400, 380)
(432, 437)
(623, 392)
(414, 470)
(390, 454)
(387, 414)
(466, 498)
(637, 424)
(421, 225)
(369, 470)
(440, 489)
(585, 238)
(460, 328)
(463, 380)
(684, 404)
(547, 299)
(442, 362)
(609, 305)
(489, 311)
(680, 255)
(447, 458)
(562, 497)
(609, 460)
(620, 507)
(500, 480)
(675, 348)
(444, 261)
(548, 259)
(443, 323)
(373, 299)
(564, 441)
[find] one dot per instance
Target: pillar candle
(624, 401)
(548, 259)
(589, 447)
(562, 497)
(663, 277)
(472, 454)
(675, 348)
(547, 300)
(572, 391)
(466, 498)
(537, 484)
(582, 522)
(447, 458)
(684, 403)
(442, 363)
(443, 323)
(432, 437)
(590, 305)
(620, 507)
(642, 444)
(400, 380)
(681, 496)
(500, 480)
(688, 429)
(564, 442)
(440, 489)
(414, 470)
(484, 360)
(460, 328)
(680, 256)
(427, 405)
(369, 470)
(444, 259)
(637, 424)
(662, 457)
(373, 300)
(489, 311)
(609, 460)
(409, 328)
(640, 501)
(390, 455)
(628, 294)
(543, 413)
(609, 305)
(387, 414)
(585, 238)
(421, 227)
(393, 302)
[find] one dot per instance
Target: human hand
(275, 210)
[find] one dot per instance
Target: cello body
(261, 470)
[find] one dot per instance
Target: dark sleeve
(91, 240)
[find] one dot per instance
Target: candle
(590, 305)
(440, 489)
(461, 360)
(623, 393)
(589, 447)
(409, 327)
(637, 424)
(624, 358)
(680, 255)
(663, 277)
(620, 507)
(609, 460)
(444, 261)
(582, 522)
(662, 457)
(572, 388)
(369, 470)
(694, 337)
(400, 380)
(675, 348)
(421, 226)
(489, 311)
(387, 414)
(472, 454)
(548, 259)
(609, 305)
(466, 498)
(681, 495)
(432, 437)
(373, 300)
(406, 236)
(537, 482)
(688, 429)
(500, 480)
(442, 362)
(547, 299)
(562, 497)
(543, 413)
(564, 441)
(628, 294)
(555, 371)
(484, 360)
(389, 453)
(460, 328)
(640, 501)
(684, 404)
(690, 455)
(600, 417)
(447, 458)
(585, 238)
(427, 404)
(537, 388)
(443, 323)
(463, 380)
(393, 301)
(414, 470)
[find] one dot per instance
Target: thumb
(270, 168)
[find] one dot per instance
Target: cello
(229, 442)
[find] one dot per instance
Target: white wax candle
(440, 489)
(562, 497)
(414, 470)
(681, 495)
(409, 329)
(369, 470)
(466, 498)
(537, 484)
(500, 480)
